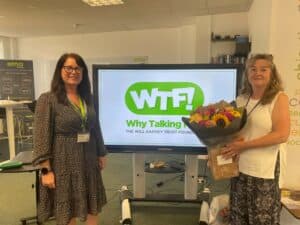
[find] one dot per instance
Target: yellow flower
(236, 113)
(221, 120)
(196, 117)
(229, 108)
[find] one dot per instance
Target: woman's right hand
(48, 180)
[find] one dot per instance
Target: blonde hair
(275, 84)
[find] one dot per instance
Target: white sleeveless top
(258, 162)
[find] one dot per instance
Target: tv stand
(139, 186)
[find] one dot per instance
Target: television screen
(140, 106)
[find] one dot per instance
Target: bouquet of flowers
(214, 125)
(216, 122)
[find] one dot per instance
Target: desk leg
(37, 196)
(10, 131)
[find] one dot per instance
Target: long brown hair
(275, 84)
(58, 86)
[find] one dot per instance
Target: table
(26, 157)
(8, 105)
(294, 211)
(292, 206)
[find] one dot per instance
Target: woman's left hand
(102, 162)
(232, 149)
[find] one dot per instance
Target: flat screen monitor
(140, 106)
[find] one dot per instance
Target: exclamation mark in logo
(190, 95)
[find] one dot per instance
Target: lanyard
(82, 111)
(248, 114)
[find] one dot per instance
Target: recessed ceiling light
(103, 2)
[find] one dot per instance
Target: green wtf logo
(163, 98)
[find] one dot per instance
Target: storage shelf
(234, 50)
(170, 167)
(223, 39)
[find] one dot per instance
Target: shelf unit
(217, 38)
(222, 39)
(234, 50)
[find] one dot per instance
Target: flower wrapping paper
(216, 137)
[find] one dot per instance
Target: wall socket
(201, 180)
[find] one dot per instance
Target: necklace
(248, 114)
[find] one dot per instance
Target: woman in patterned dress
(255, 193)
(68, 147)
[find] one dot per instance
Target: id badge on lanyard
(84, 135)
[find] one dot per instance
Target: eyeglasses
(70, 69)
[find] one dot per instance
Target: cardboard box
(221, 168)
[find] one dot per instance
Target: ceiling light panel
(103, 2)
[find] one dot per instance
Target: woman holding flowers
(255, 193)
(68, 146)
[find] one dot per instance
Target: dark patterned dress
(255, 201)
(79, 188)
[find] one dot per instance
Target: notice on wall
(16, 80)
(288, 60)
(294, 139)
